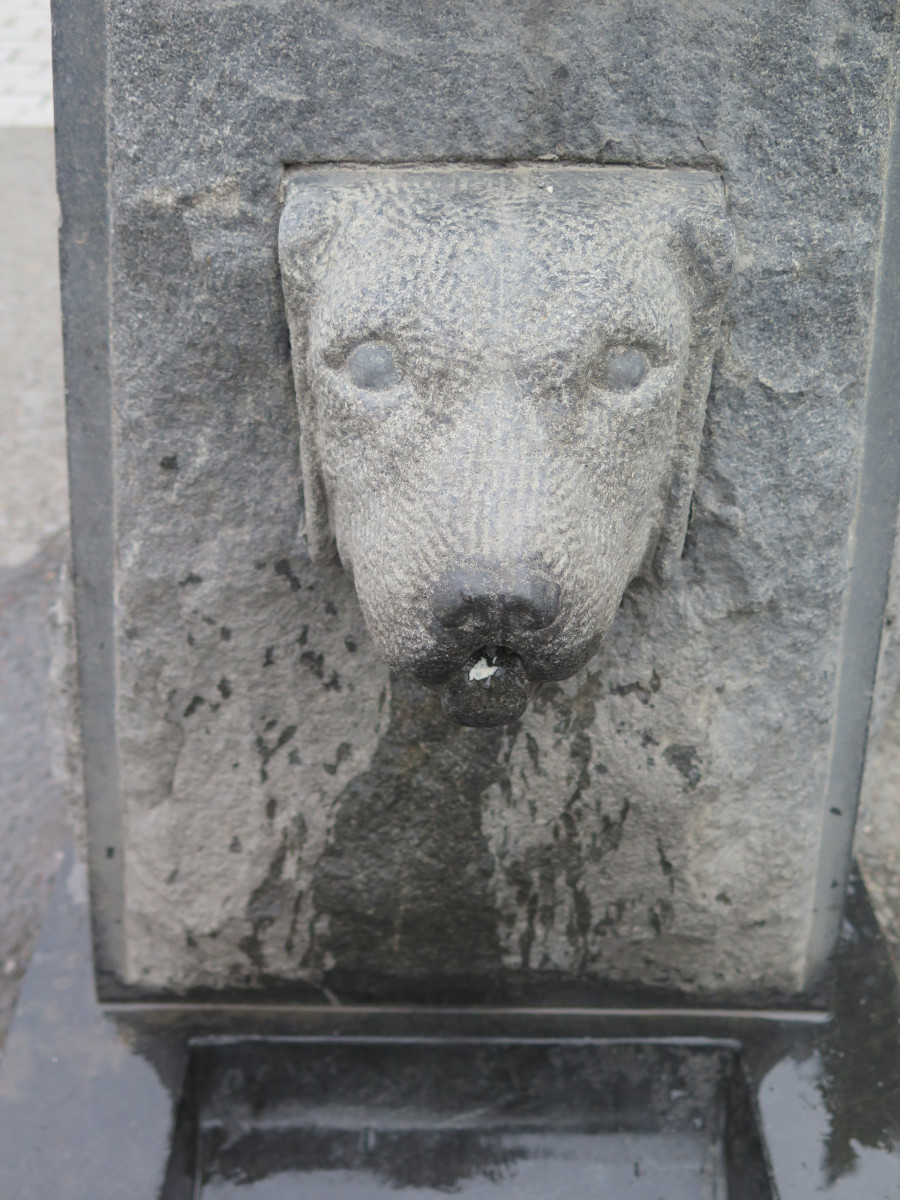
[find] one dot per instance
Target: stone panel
(291, 817)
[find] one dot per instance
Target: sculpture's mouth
(490, 688)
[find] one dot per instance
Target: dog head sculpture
(502, 377)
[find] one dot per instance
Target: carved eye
(372, 367)
(624, 369)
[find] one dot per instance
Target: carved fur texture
(502, 375)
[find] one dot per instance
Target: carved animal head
(502, 375)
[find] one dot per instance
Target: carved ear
(307, 223)
(702, 243)
(702, 246)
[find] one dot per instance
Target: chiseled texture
(503, 377)
(291, 816)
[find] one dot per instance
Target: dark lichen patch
(190, 579)
(193, 706)
(314, 662)
(224, 688)
(612, 918)
(350, 643)
(644, 692)
(665, 865)
(661, 917)
(269, 657)
(271, 808)
(284, 569)
(534, 752)
(626, 689)
(169, 462)
(331, 608)
(266, 752)
(235, 845)
(225, 633)
(686, 761)
(581, 749)
(304, 636)
(343, 752)
(264, 907)
(612, 830)
(295, 918)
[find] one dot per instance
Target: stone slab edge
(866, 599)
(79, 55)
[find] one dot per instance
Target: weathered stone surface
(287, 814)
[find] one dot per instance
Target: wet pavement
(33, 518)
(178, 1101)
(32, 828)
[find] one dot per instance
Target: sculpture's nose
(496, 601)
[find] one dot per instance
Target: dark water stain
(265, 751)
(550, 877)
(284, 568)
(400, 1160)
(406, 882)
(274, 894)
(686, 762)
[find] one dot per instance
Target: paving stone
(26, 85)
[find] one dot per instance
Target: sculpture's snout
(487, 609)
(495, 603)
